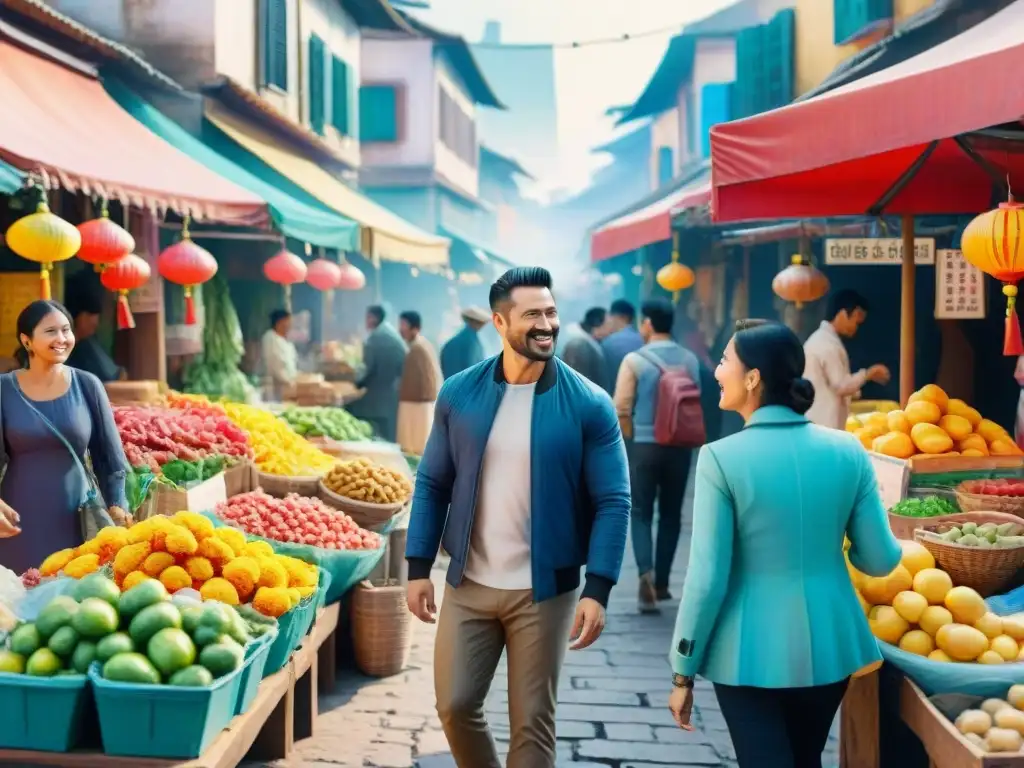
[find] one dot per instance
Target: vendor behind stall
(280, 359)
(85, 305)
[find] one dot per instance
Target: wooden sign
(17, 291)
(893, 477)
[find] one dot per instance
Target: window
(457, 130)
(715, 101)
(340, 96)
(764, 67)
(854, 19)
(666, 165)
(378, 113)
(274, 28)
(317, 84)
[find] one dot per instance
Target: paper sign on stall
(893, 477)
(845, 251)
(959, 287)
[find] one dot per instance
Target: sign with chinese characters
(959, 288)
(876, 250)
(893, 476)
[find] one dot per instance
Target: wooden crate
(944, 464)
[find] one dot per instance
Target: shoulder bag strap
(654, 360)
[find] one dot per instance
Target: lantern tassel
(190, 306)
(125, 319)
(44, 283)
(1012, 344)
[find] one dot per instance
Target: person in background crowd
(279, 358)
(583, 351)
(768, 613)
(383, 360)
(517, 540)
(689, 335)
(85, 307)
(657, 472)
(622, 337)
(52, 419)
(464, 350)
(421, 380)
(828, 364)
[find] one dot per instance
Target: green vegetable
(216, 373)
(931, 506)
(335, 423)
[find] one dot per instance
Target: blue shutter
(378, 113)
(340, 95)
(856, 18)
(748, 63)
(714, 109)
(778, 78)
(317, 85)
(666, 166)
(274, 23)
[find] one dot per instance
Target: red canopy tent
(935, 134)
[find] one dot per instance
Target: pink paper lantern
(323, 274)
(351, 278)
(285, 268)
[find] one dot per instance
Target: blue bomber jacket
(579, 480)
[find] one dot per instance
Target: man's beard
(522, 345)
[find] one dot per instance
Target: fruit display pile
(278, 449)
(153, 437)
(296, 519)
(932, 424)
(917, 608)
(986, 535)
(335, 423)
(997, 725)
(1001, 487)
(930, 506)
(363, 480)
(186, 551)
(140, 636)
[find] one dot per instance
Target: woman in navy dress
(42, 485)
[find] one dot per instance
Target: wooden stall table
(309, 677)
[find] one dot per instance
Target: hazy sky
(589, 79)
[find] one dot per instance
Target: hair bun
(801, 393)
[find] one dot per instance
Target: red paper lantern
(323, 274)
(188, 265)
(350, 278)
(103, 241)
(286, 269)
(128, 273)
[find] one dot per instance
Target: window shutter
(714, 109)
(856, 18)
(275, 43)
(777, 54)
(378, 113)
(317, 85)
(340, 96)
(748, 61)
(666, 171)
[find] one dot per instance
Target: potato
(991, 706)
(1016, 696)
(974, 721)
(1003, 740)
(1008, 717)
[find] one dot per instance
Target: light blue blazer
(768, 600)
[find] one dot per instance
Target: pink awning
(650, 224)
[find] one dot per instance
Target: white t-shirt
(499, 549)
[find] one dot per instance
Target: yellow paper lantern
(675, 277)
(46, 239)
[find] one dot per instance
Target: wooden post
(907, 312)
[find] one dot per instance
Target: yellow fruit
(898, 422)
(896, 444)
(989, 625)
(56, 562)
(879, 420)
(853, 424)
(910, 605)
(930, 438)
(1020, 655)
(867, 435)
(989, 430)
(881, 590)
(973, 442)
(1014, 627)
(990, 657)
(966, 605)
(1004, 446)
(886, 624)
(957, 427)
(934, 618)
(1016, 696)
(856, 577)
(917, 641)
(962, 642)
(933, 393)
(1006, 647)
(915, 557)
(958, 407)
(922, 412)
(933, 584)
(939, 655)
(974, 452)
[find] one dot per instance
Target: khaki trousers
(476, 624)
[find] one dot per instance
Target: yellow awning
(386, 235)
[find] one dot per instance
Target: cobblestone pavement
(612, 704)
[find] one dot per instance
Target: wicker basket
(372, 517)
(980, 502)
(381, 628)
(987, 571)
(280, 485)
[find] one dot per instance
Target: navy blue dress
(42, 481)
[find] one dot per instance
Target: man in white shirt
(280, 359)
(828, 364)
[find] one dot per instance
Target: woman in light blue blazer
(768, 613)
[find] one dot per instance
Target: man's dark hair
(277, 316)
(517, 277)
(661, 313)
(625, 310)
(847, 299)
(593, 318)
(377, 311)
(84, 301)
(412, 318)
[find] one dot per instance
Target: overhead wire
(626, 37)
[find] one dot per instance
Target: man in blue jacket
(524, 481)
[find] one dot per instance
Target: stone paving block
(628, 732)
(574, 730)
(658, 754)
(608, 714)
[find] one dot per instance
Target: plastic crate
(293, 627)
(256, 654)
(44, 714)
(163, 721)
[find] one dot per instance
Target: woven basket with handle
(280, 486)
(982, 502)
(381, 628)
(372, 517)
(987, 571)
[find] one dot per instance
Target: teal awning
(10, 179)
(296, 214)
(481, 253)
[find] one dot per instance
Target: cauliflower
(55, 563)
(133, 578)
(243, 573)
(199, 568)
(157, 563)
(272, 573)
(180, 541)
(200, 526)
(131, 558)
(232, 537)
(221, 590)
(272, 601)
(82, 566)
(175, 578)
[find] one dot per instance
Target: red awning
(60, 122)
(650, 224)
(839, 153)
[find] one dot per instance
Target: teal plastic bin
(163, 721)
(293, 627)
(256, 654)
(45, 714)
